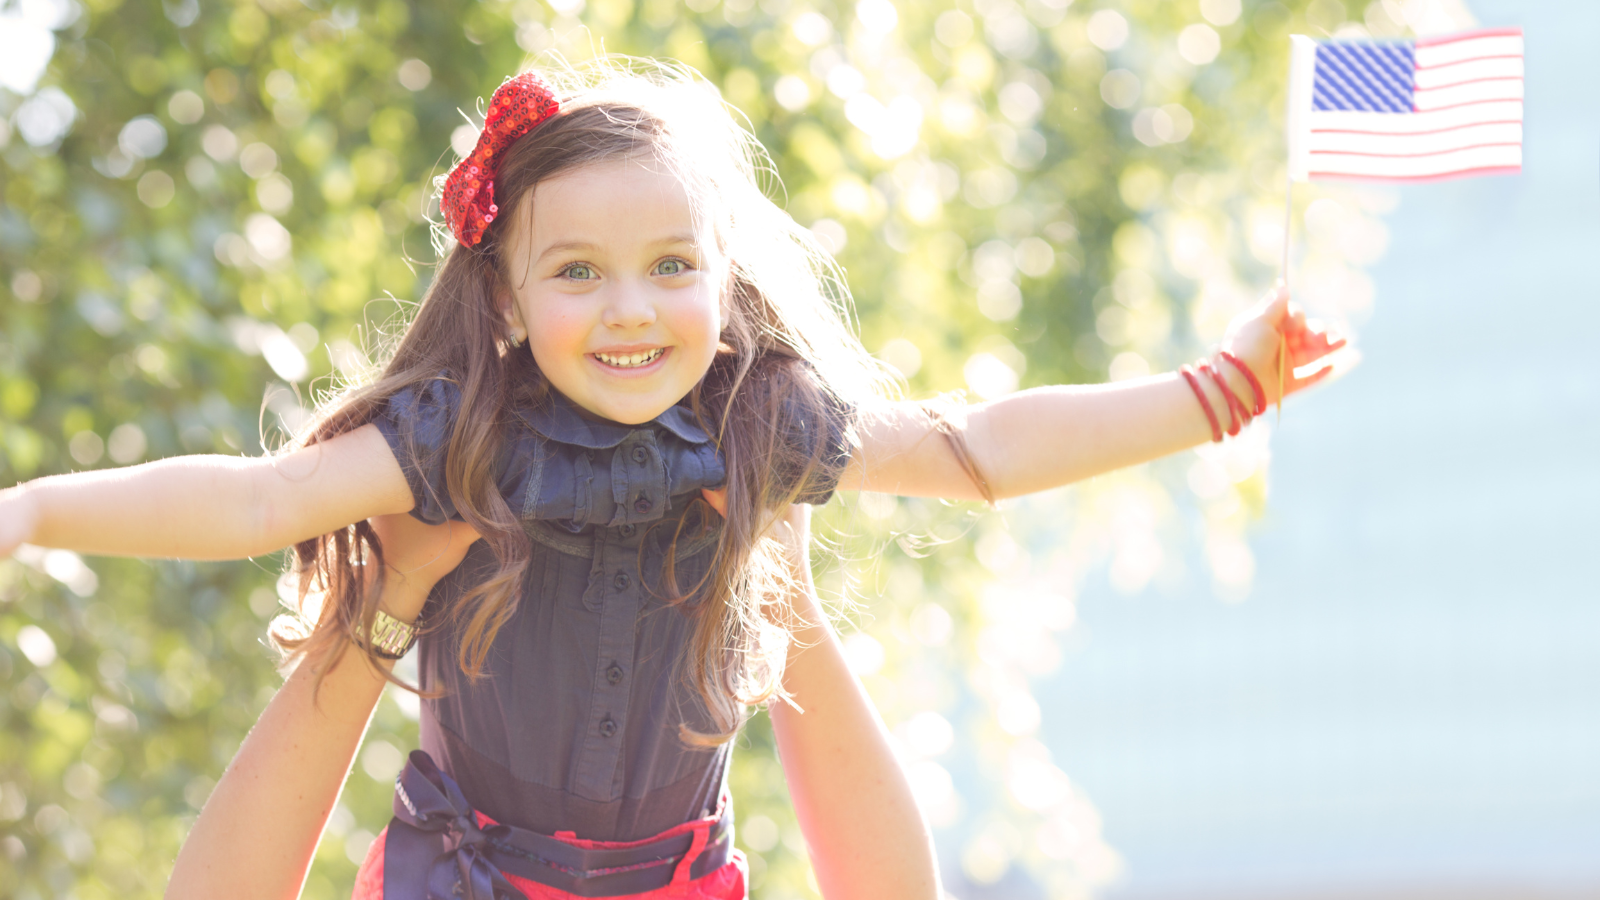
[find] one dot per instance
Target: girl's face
(616, 289)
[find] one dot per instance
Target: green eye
(671, 267)
(578, 272)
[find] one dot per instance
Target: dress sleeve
(417, 422)
(835, 428)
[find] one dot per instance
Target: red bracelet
(1255, 383)
(1236, 411)
(1211, 415)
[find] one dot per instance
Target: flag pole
(1302, 71)
(1283, 278)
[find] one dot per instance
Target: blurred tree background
(211, 211)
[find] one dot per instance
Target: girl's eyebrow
(565, 246)
(589, 247)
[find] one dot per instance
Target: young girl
(625, 321)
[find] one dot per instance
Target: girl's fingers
(1326, 344)
(1312, 342)
(1310, 351)
(1296, 329)
(1302, 383)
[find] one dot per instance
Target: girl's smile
(615, 288)
(632, 361)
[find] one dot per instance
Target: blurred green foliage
(232, 203)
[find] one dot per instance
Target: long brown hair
(787, 365)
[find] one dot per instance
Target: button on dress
(574, 723)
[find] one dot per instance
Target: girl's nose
(628, 306)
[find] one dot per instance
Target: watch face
(390, 636)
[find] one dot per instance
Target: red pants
(726, 883)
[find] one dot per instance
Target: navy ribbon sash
(435, 849)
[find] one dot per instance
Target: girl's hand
(1257, 335)
(18, 516)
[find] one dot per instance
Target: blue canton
(1365, 76)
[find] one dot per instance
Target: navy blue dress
(574, 725)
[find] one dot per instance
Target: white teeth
(630, 360)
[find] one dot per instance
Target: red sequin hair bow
(468, 200)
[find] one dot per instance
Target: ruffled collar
(557, 419)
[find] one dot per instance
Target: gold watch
(390, 638)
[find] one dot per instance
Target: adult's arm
(867, 838)
(209, 507)
(256, 836)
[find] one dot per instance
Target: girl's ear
(513, 315)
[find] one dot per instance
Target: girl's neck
(592, 416)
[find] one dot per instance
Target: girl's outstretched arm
(209, 507)
(861, 822)
(255, 838)
(1049, 436)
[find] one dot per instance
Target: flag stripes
(1469, 161)
(1468, 70)
(1415, 144)
(1492, 113)
(1470, 92)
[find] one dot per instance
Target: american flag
(1436, 107)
